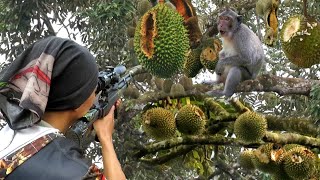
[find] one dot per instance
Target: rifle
(110, 85)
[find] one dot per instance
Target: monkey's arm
(235, 60)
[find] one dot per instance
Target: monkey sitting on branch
(242, 55)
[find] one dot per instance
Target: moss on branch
(291, 138)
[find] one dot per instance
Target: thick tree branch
(189, 140)
(280, 85)
(279, 138)
(291, 138)
(300, 125)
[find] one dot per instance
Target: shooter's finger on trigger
(112, 109)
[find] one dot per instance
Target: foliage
(103, 29)
(315, 101)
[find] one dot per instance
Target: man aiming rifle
(47, 89)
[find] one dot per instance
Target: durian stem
(161, 1)
(224, 118)
(174, 153)
(241, 108)
(299, 125)
(291, 138)
(215, 107)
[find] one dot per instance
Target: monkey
(242, 55)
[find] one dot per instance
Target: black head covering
(52, 74)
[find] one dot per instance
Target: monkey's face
(225, 25)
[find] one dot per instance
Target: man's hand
(104, 129)
(104, 126)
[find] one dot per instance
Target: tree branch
(291, 138)
(190, 140)
(280, 85)
(299, 125)
(174, 153)
(279, 138)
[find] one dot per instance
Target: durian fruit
(190, 119)
(316, 173)
(143, 6)
(246, 160)
(210, 53)
(186, 9)
(268, 158)
(192, 65)
(158, 82)
(280, 176)
(131, 92)
(299, 163)
(177, 90)
(288, 147)
(161, 41)
(300, 39)
(159, 123)
(186, 83)
(250, 127)
(166, 86)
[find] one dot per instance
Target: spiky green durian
(177, 90)
(299, 163)
(300, 39)
(186, 83)
(190, 119)
(159, 123)
(192, 65)
(316, 173)
(288, 147)
(267, 158)
(131, 92)
(143, 6)
(250, 127)
(210, 53)
(166, 86)
(161, 41)
(246, 160)
(281, 176)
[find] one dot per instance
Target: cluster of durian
(250, 127)
(300, 39)
(161, 41)
(206, 55)
(178, 89)
(161, 123)
(290, 162)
